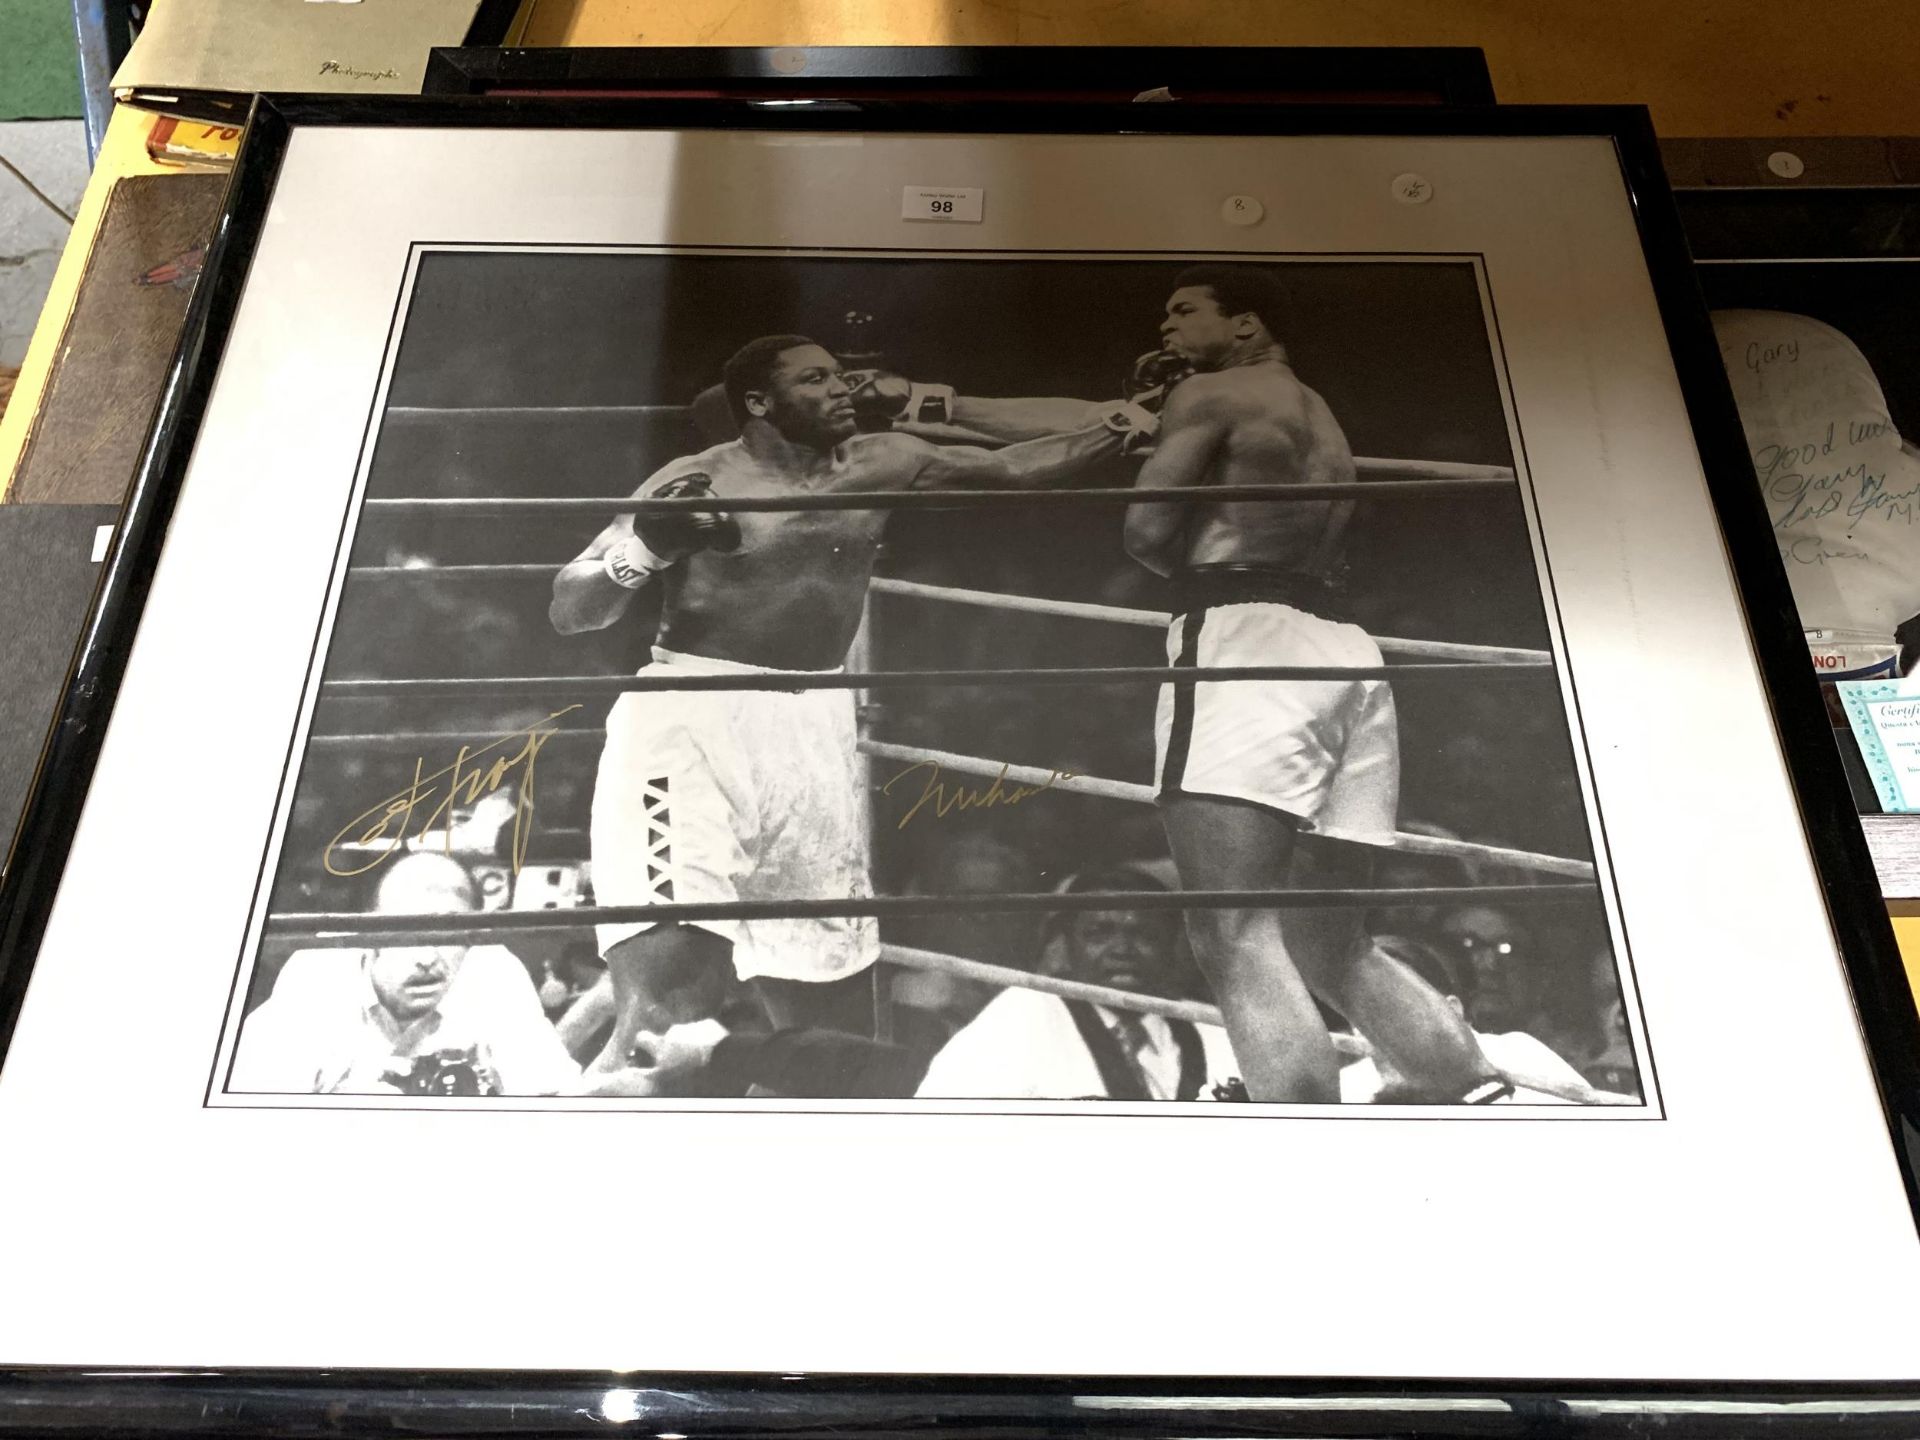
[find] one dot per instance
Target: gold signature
(963, 797)
(388, 821)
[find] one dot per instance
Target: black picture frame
(1759, 212)
(1200, 74)
(343, 1402)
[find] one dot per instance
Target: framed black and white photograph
(470, 711)
(969, 691)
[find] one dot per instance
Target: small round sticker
(1412, 189)
(1786, 164)
(1242, 210)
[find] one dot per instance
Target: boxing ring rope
(609, 505)
(549, 569)
(547, 687)
(441, 928)
(1406, 842)
(467, 413)
(1194, 1012)
(860, 652)
(1346, 1044)
(1382, 468)
(430, 414)
(990, 600)
(1403, 841)
(1160, 619)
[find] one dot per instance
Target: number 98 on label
(937, 202)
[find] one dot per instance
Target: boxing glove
(661, 538)
(882, 399)
(1153, 375)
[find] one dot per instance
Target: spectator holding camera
(440, 1020)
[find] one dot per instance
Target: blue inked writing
(1875, 499)
(1806, 496)
(1804, 487)
(1812, 550)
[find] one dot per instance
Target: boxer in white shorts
(757, 794)
(736, 795)
(1326, 754)
(1263, 784)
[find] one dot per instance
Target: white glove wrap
(928, 405)
(630, 564)
(1137, 426)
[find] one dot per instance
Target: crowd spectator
(405, 1019)
(1459, 977)
(1499, 964)
(928, 1006)
(1029, 1045)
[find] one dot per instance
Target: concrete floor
(53, 155)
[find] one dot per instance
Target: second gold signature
(934, 791)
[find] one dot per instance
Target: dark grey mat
(47, 578)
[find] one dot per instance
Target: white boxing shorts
(1325, 752)
(730, 795)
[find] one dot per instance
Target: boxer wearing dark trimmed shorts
(1264, 784)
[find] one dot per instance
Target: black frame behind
(1855, 204)
(1413, 75)
(125, 1403)
(1858, 199)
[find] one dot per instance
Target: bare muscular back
(790, 596)
(1271, 430)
